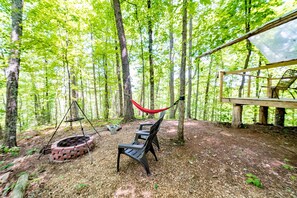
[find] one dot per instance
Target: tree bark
(82, 90)
(119, 80)
(197, 89)
(180, 132)
(207, 90)
(74, 96)
(128, 109)
(13, 74)
(248, 4)
(152, 80)
(94, 77)
(48, 103)
(106, 93)
(214, 103)
(189, 103)
(257, 92)
(171, 72)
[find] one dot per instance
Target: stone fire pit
(71, 147)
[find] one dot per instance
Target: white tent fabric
(278, 44)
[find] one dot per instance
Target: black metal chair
(138, 151)
(143, 132)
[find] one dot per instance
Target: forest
(82, 83)
(69, 51)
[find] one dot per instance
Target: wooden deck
(266, 102)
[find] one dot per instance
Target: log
(20, 187)
(237, 116)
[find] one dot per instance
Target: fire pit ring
(71, 147)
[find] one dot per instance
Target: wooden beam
(267, 102)
(249, 75)
(267, 26)
(268, 66)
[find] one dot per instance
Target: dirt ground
(213, 163)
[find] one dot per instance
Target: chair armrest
(131, 146)
(143, 133)
(145, 124)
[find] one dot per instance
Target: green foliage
(54, 30)
(7, 189)
(156, 186)
(288, 167)
(293, 177)
(31, 151)
(4, 167)
(81, 186)
(253, 179)
(14, 151)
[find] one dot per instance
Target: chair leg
(153, 152)
(144, 163)
(156, 142)
(118, 161)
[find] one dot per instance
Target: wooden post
(263, 111)
(279, 116)
(221, 84)
(263, 115)
(249, 86)
(269, 90)
(237, 116)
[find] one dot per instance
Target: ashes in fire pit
(71, 147)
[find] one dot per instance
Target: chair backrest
(153, 132)
(287, 79)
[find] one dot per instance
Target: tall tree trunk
(197, 89)
(129, 112)
(214, 103)
(180, 132)
(119, 80)
(13, 74)
(171, 73)
(152, 81)
(82, 90)
(74, 96)
(190, 69)
(248, 4)
(142, 96)
(69, 79)
(94, 77)
(207, 90)
(106, 93)
(257, 92)
(48, 104)
(143, 69)
(36, 108)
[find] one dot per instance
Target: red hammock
(149, 111)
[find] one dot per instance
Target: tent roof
(278, 31)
